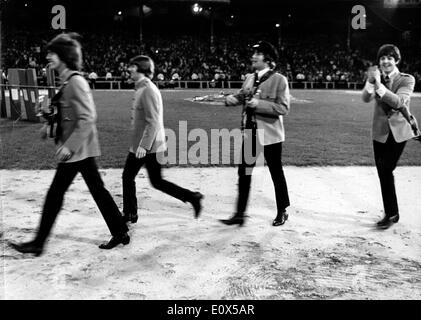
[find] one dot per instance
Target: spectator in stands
(92, 78)
(125, 76)
(308, 57)
(175, 76)
(108, 76)
(3, 77)
(300, 77)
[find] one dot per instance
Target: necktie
(386, 81)
(256, 80)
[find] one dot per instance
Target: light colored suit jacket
(274, 100)
(78, 119)
(387, 118)
(147, 118)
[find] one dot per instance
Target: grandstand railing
(197, 84)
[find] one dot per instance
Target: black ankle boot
(387, 221)
(195, 200)
(115, 241)
(130, 217)
(235, 220)
(280, 219)
(28, 247)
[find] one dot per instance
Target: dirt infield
(328, 249)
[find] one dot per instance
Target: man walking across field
(148, 141)
(265, 98)
(391, 90)
(76, 139)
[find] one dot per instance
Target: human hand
(140, 152)
(377, 76)
(371, 73)
(230, 100)
(252, 103)
(63, 153)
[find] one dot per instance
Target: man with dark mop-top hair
(77, 144)
(148, 142)
(392, 123)
(265, 99)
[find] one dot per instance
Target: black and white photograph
(215, 150)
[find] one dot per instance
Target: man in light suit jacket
(265, 97)
(77, 147)
(147, 143)
(391, 90)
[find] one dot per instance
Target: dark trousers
(131, 169)
(387, 156)
(273, 157)
(63, 178)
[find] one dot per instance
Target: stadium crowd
(191, 58)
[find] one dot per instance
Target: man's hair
(68, 49)
(144, 65)
(389, 50)
(269, 51)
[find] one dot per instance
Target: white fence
(189, 84)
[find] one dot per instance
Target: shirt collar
(262, 72)
(393, 73)
(139, 83)
(64, 75)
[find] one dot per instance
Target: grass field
(334, 128)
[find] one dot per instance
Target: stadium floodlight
(197, 8)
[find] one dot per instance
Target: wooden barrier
(15, 107)
(30, 95)
(23, 91)
(51, 82)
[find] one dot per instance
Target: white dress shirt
(262, 72)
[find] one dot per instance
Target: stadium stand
(318, 61)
